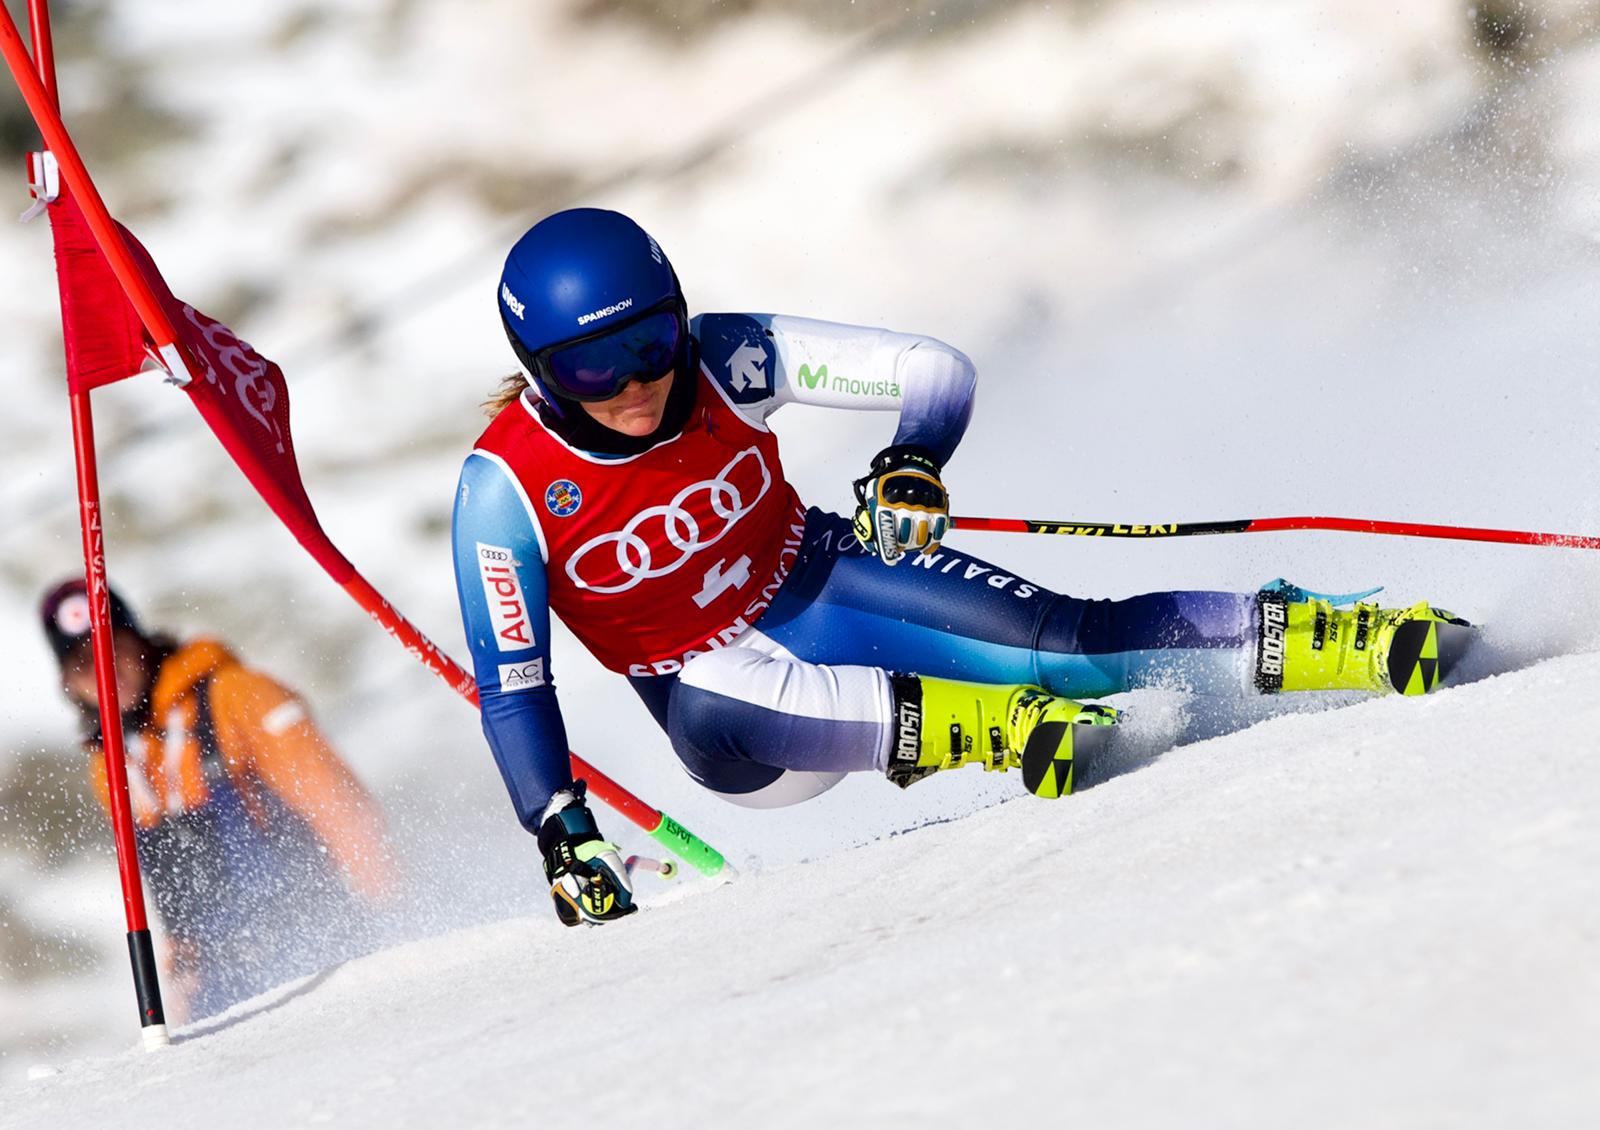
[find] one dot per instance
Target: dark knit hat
(65, 615)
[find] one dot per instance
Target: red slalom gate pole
(1150, 531)
(44, 51)
(141, 949)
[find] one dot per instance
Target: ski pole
(662, 867)
(1271, 525)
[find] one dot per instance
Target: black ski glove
(588, 881)
(902, 506)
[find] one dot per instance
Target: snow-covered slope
(1382, 915)
(1213, 260)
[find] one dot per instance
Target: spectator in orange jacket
(265, 856)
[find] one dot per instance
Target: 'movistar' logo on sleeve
(508, 611)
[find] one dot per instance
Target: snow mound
(1381, 914)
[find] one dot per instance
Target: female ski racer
(630, 483)
(265, 855)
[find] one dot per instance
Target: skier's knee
(714, 743)
(754, 729)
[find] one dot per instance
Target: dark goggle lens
(645, 351)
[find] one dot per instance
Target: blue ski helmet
(590, 303)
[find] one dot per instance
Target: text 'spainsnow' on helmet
(590, 303)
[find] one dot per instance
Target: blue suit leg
(804, 699)
(956, 616)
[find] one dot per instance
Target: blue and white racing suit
(802, 697)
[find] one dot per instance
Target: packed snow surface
(1381, 915)
(1212, 260)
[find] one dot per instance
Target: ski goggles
(596, 367)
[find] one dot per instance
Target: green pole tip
(691, 849)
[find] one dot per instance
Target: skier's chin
(635, 411)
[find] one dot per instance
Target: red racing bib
(653, 558)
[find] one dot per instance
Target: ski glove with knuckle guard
(902, 507)
(588, 881)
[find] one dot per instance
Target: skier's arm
(265, 728)
(763, 361)
(500, 582)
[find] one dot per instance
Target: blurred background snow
(1239, 258)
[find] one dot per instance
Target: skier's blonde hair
(505, 394)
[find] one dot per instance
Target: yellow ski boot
(942, 724)
(1308, 644)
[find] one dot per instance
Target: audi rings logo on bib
(660, 539)
(562, 498)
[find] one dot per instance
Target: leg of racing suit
(804, 697)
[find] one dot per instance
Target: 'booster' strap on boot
(906, 752)
(1309, 645)
(967, 727)
(1272, 623)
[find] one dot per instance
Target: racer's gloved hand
(902, 506)
(588, 881)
